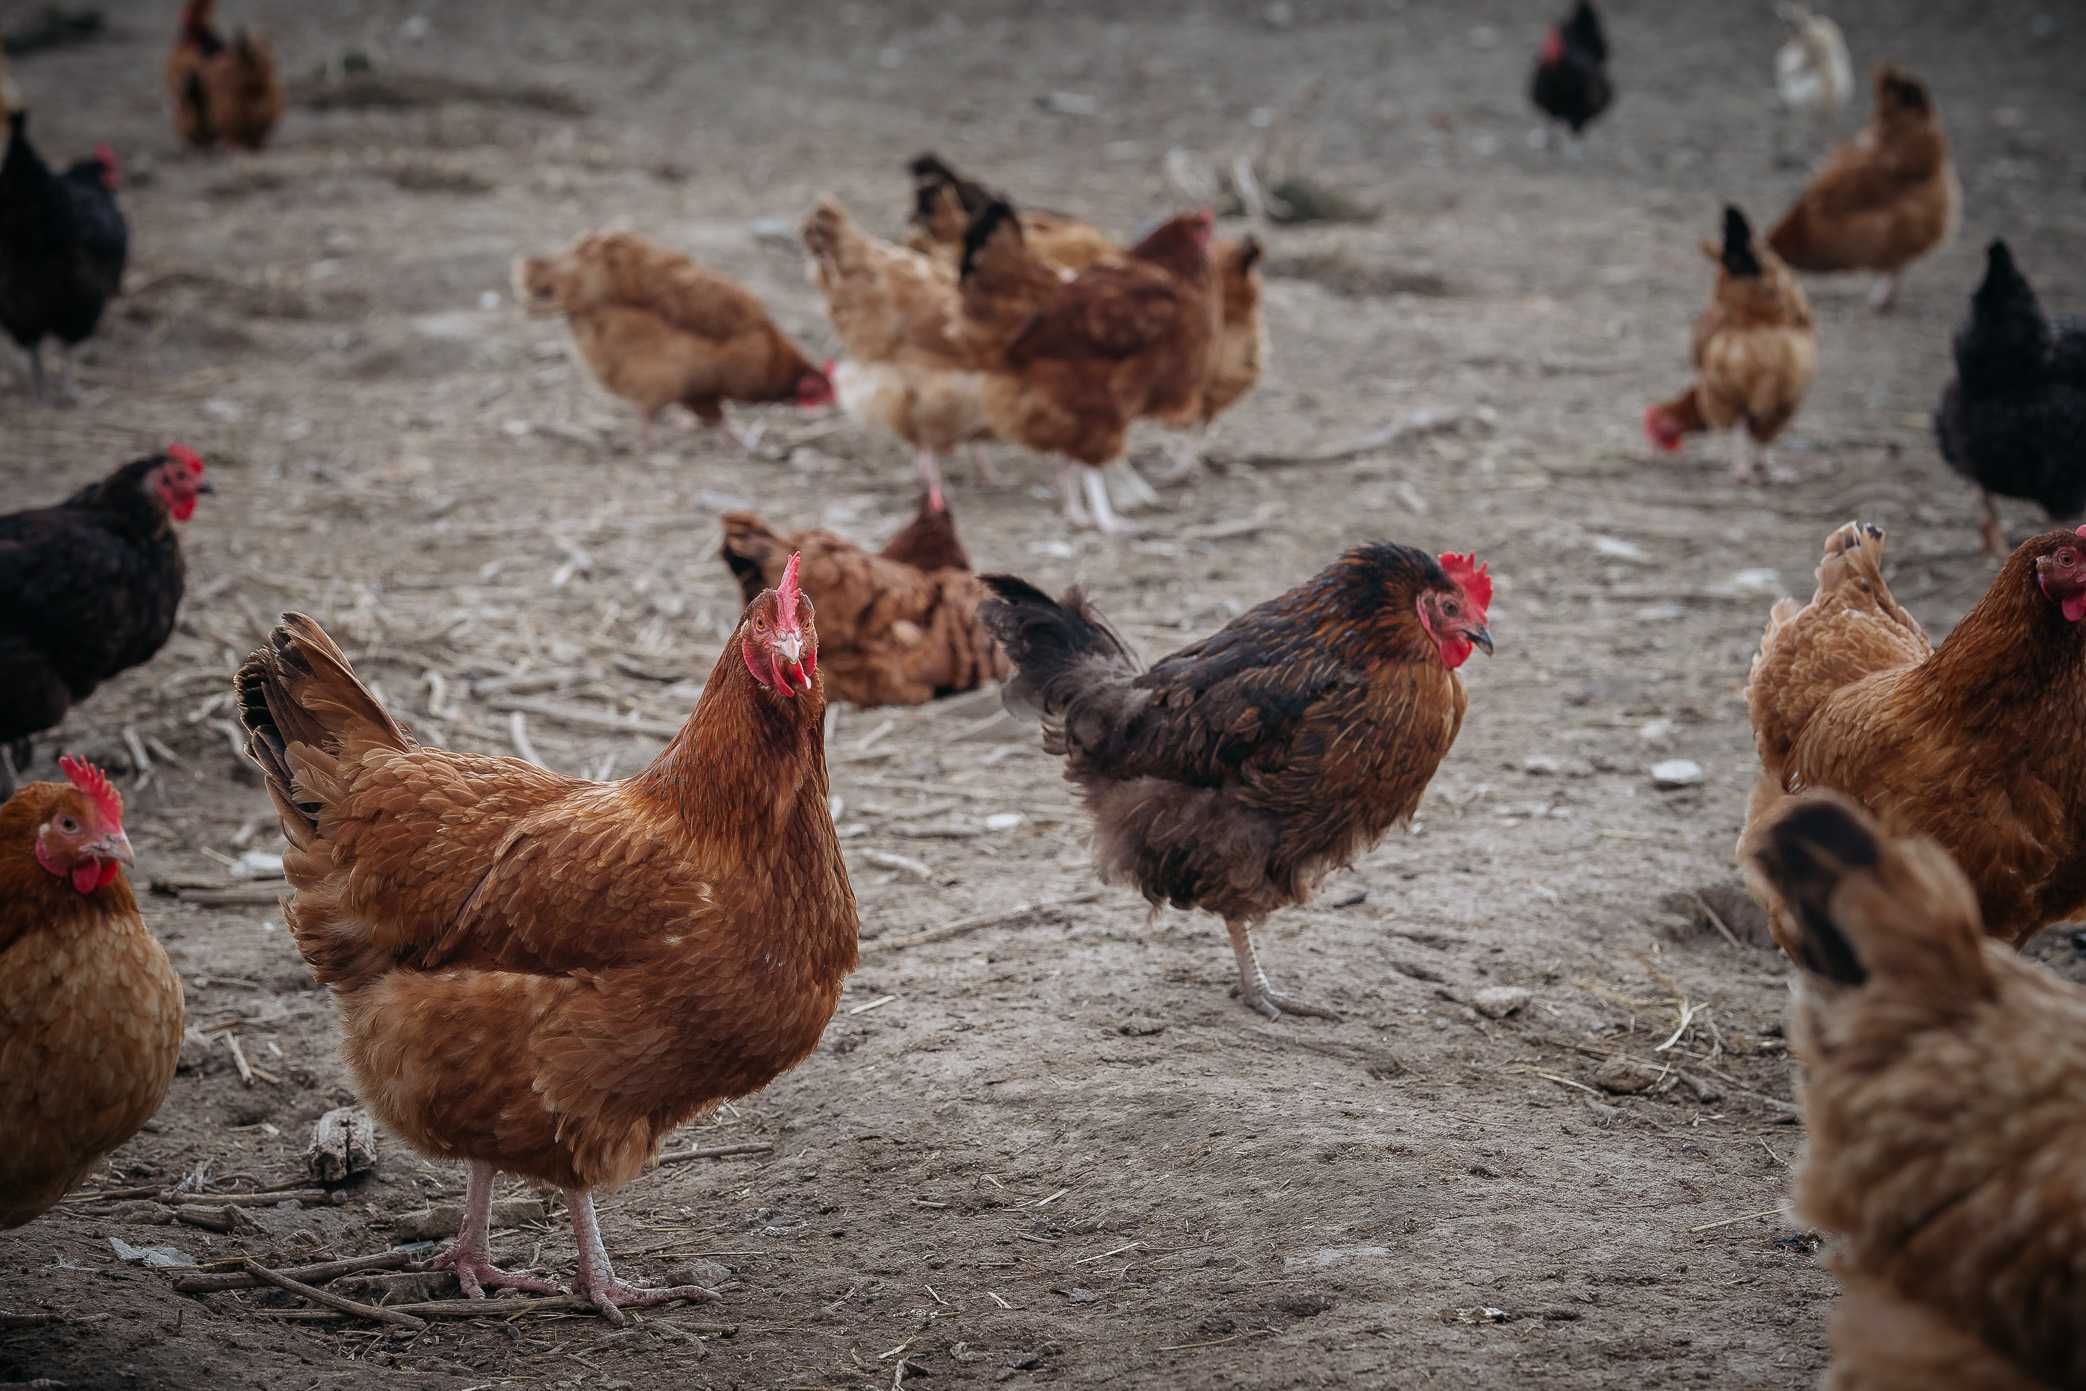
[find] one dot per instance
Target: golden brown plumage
(1236, 773)
(1847, 693)
(659, 330)
(906, 369)
(542, 975)
(1882, 200)
(90, 1008)
(1944, 1104)
(1241, 342)
(222, 93)
(944, 202)
(897, 632)
(1754, 349)
(1071, 364)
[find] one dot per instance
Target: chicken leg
(1255, 991)
(1994, 535)
(471, 1256)
(1138, 492)
(930, 466)
(597, 1278)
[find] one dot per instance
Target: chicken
(63, 245)
(1882, 200)
(1571, 83)
(544, 976)
(1755, 349)
(1944, 1105)
(659, 330)
(944, 202)
(2013, 418)
(92, 585)
(1239, 348)
(90, 1007)
(1071, 363)
(897, 632)
(1236, 773)
(906, 369)
(222, 93)
(1847, 693)
(1813, 74)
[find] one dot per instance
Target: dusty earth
(1053, 1148)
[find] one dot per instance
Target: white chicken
(1812, 70)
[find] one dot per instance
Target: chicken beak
(113, 846)
(1481, 637)
(204, 485)
(790, 648)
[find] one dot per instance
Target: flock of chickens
(1900, 837)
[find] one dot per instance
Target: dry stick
(322, 1272)
(1715, 921)
(518, 731)
(717, 1152)
(8, 1321)
(332, 1300)
(246, 1071)
(1734, 1221)
(965, 926)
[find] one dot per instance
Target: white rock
(1676, 772)
(1654, 730)
(1499, 1001)
(1615, 548)
(1542, 765)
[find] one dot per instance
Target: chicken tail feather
(298, 694)
(754, 553)
(1064, 653)
(1865, 906)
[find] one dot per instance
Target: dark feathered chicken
(2013, 419)
(89, 588)
(1571, 78)
(1237, 772)
(63, 243)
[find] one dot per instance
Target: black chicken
(88, 588)
(1571, 79)
(2013, 419)
(63, 243)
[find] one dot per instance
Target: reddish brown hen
(902, 626)
(90, 1007)
(224, 93)
(544, 976)
(1236, 773)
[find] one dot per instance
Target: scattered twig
(322, 1272)
(717, 1152)
(246, 1071)
(518, 731)
(877, 1003)
(1716, 920)
(8, 1321)
(965, 926)
(1734, 1221)
(330, 1300)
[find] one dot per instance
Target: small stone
(1625, 1077)
(1676, 772)
(1615, 548)
(1542, 765)
(1655, 731)
(708, 1274)
(1499, 1001)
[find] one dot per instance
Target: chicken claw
(1256, 993)
(471, 1256)
(597, 1282)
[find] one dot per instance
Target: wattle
(86, 876)
(2074, 608)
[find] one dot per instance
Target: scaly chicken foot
(597, 1277)
(1255, 991)
(471, 1256)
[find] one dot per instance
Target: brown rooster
(90, 1007)
(223, 93)
(543, 976)
(1234, 774)
(902, 626)
(1848, 693)
(1944, 1107)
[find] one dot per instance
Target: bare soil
(1054, 1149)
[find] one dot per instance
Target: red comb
(787, 591)
(95, 783)
(1465, 571)
(182, 454)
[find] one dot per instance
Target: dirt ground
(1054, 1149)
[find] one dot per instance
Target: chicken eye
(2067, 557)
(69, 826)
